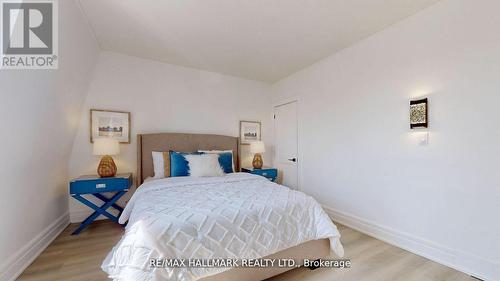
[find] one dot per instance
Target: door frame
(299, 155)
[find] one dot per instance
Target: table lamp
(257, 147)
(105, 147)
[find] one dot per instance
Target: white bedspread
(236, 216)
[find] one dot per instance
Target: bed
(235, 216)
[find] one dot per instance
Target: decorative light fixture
(106, 147)
(257, 147)
(419, 113)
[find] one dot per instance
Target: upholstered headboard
(147, 143)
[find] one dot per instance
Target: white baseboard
(465, 262)
(18, 262)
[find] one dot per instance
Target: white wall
(39, 113)
(360, 159)
(166, 98)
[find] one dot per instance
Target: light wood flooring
(79, 258)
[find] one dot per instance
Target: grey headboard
(147, 143)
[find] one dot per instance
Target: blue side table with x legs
(95, 186)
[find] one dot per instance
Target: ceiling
(256, 39)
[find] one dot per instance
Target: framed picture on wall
(249, 132)
(107, 123)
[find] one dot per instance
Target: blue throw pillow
(226, 162)
(179, 166)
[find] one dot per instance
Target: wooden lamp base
(107, 167)
(257, 161)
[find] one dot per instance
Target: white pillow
(218, 152)
(204, 165)
(161, 164)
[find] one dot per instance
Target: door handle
(292, 159)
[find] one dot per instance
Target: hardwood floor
(79, 258)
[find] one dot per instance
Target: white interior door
(286, 135)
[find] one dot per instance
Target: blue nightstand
(269, 173)
(95, 186)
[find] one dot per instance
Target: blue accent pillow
(179, 166)
(226, 162)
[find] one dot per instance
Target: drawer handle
(100, 185)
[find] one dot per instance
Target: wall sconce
(419, 114)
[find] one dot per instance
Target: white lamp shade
(106, 146)
(257, 147)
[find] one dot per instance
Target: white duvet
(235, 216)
